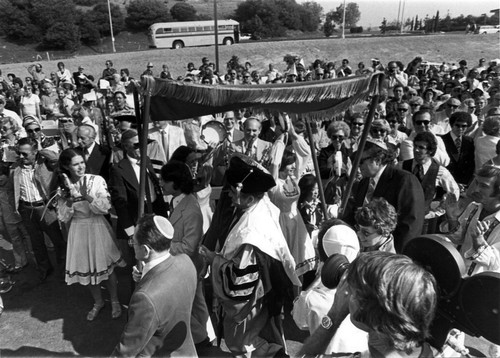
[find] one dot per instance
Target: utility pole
(111, 27)
(216, 27)
(343, 22)
(399, 12)
(403, 15)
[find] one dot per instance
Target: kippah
(164, 226)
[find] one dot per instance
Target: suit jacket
(262, 148)
(98, 162)
(45, 178)
(461, 164)
(175, 139)
(124, 190)
(403, 191)
(237, 135)
(159, 313)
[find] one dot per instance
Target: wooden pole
(143, 141)
(316, 167)
(357, 159)
(216, 28)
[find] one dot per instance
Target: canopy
(175, 100)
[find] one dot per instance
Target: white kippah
(164, 226)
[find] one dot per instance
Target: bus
(192, 33)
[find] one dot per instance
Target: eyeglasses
(364, 231)
(461, 125)
(33, 130)
(65, 121)
(378, 130)
(402, 109)
(422, 123)
(337, 137)
(233, 73)
(23, 154)
(358, 124)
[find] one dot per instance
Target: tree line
(67, 24)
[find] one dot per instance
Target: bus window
(199, 28)
(167, 30)
(221, 27)
(159, 31)
(208, 28)
(184, 29)
(176, 29)
(192, 29)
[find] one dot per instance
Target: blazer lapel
(177, 214)
(129, 173)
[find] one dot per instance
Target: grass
(448, 47)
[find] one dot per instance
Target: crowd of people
(243, 211)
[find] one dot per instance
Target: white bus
(192, 33)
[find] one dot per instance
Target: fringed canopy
(175, 100)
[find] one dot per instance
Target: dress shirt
(28, 190)
(137, 170)
(377, 176)
(88, 151)
(155, 262)
(444, 179)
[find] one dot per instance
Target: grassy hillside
(447, 47)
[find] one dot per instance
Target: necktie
(249, 148)
(419, 172)
(164, 143)
(458, 144)
(369, 192)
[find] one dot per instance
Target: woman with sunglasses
(375, 223)
(334, 163)
(30, 103)
(92, 253)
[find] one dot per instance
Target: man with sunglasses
(442, 118)
(460, 148)
(435, 179)
(34, 131)
(401, 189)
(422, 122)
(124, 187)
(34, 184)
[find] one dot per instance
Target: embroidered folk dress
(92, 253)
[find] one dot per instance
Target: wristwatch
(326, 322)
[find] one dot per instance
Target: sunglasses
(402, 109)
(23, 154)
(422, 123)
(452, 106)
(382, 131)
(65, 121)
(33, 130)
(337, 137)
(358, 124)
(472, 107)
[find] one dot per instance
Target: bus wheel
(178, 44)
(228, 41)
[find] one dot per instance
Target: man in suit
(233, 134)
(34, 184)
(460, 148)
(400, 188)
(169, 137)
(97, 158)
(251, 145)
(124, 187)
(159, 313)
(187, 220)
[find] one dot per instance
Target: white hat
(164, 226)
(341, 239)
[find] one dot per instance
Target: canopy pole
(143, 141)
(357, 158)
(316, 166)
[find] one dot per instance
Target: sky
(373, 11)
